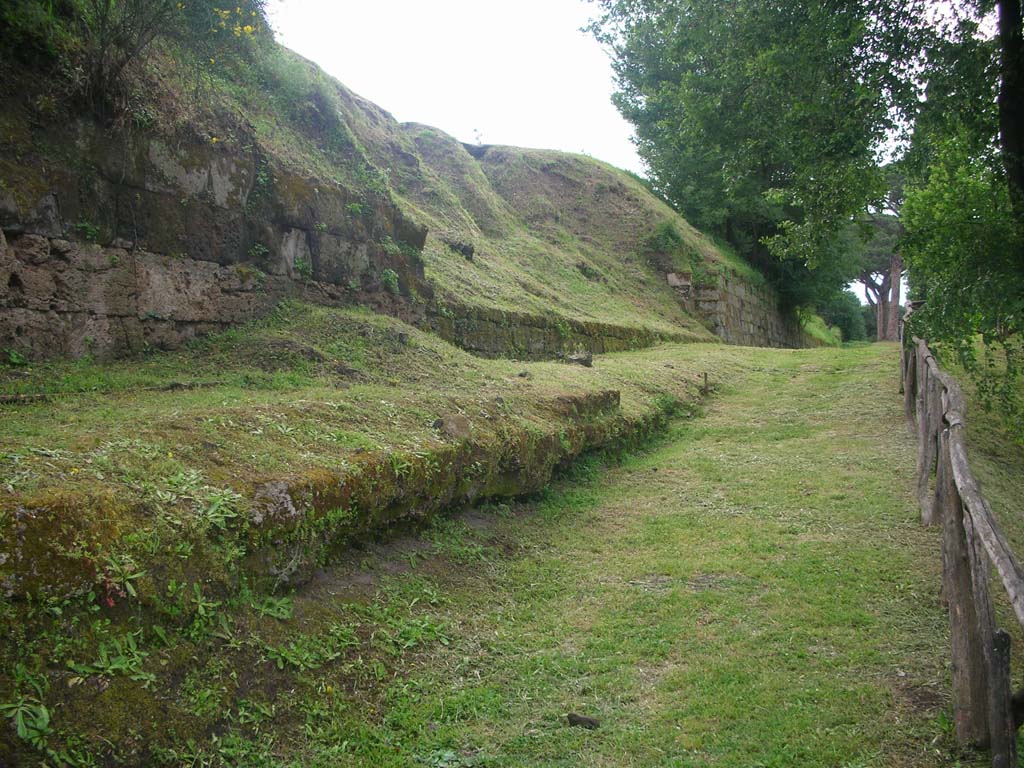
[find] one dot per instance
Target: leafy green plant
(665, 238)
(356, 209)
(31, 717)
(277, 607)
(31, 720)
(389, 279)
(13, 357)
(88, 230)
(118, 657)
(303, 267)
(118, 573)
(219, 507)
(258, 251)
(391, 248)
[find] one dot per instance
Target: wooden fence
(984, 707)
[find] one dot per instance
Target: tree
(759, 119)
(964, 241)
(844, 312)
(964, 246)
(1011, 100)
(94, 42)
(882, 274)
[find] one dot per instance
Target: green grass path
(753, 591)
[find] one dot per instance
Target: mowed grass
(753, 591)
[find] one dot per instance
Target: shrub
(844, 312)
(389, 279)
(95, 41)
(303, 267)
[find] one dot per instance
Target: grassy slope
(558, 232)
(532, 215)
(306, 388)
(735, 596)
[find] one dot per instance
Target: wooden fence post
(972, 545)
(1002, 734)
(929, 427)
(1001, 692)
(970, 701)
(908, 380)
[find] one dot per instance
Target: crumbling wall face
(151, 240)
(64, 299)
(739, 312)
(500, 333)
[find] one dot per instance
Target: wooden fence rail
(984, 709)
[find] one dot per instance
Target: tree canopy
(781, 126)
(760, 119)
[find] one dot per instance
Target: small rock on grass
(582, 721)
(455, 425)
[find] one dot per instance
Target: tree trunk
(892, 320)
(1011, 100)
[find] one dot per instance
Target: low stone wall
(294, 522)
(151, 238)
(740, 313)
(64, 299)
(500, 333)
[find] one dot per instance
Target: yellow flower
(75, 470)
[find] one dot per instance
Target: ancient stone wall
(500, 333)
(739, 312)
(149, 240)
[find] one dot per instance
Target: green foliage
(964, 242)
(277, 607)
(870, 322)
(88, 230)
(12, 357)
(31, 718)
(844, 312)
(33, 30)
(966, 256)
(760, 121)
(815, 327)
(118, 657)
(258, 251)
(93, 43)
(389, 279)
(665, 238)
(303, 268)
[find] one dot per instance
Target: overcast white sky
(520, 72)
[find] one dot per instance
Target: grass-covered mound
(149, 505)
(537, 232)
(753, 590)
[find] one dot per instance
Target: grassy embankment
(128, 509)
(753, 590)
